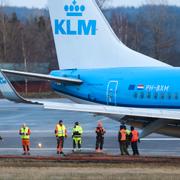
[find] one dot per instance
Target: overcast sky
(43, 3)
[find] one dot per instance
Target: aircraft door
(111, 95)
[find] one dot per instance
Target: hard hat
(24, 125)
(121, 127)
(76, 123)
(60, 121)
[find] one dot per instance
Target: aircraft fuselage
(133, 87)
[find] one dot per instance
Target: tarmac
(42, 123)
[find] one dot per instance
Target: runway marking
(87, 149)
(47, 149)
(160, 139)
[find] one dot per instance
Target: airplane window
(162, 96)
(169, 96)
(135, 95)
(142, 95)
(148, 95)
(155, 95)
(176, 96)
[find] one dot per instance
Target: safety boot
(24, 153)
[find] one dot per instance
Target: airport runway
(42, 123)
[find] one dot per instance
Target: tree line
(151, 30)
(30, 41)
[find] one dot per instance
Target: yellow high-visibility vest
(78, 129)
(61, 130)
(128, 132)
(24, 132)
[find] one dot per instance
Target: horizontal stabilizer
(44, 76)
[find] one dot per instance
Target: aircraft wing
(116, 110)
(156, 120)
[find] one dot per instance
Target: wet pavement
(42, 123)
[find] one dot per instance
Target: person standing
(77, 136)
(61, 133)
(122, 141)
(100, 131)
(25, 132)
(128, 137)
(134, 140)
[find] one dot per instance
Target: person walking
(122, 141)
(25, 132)
(100, 131)
(77, 136)
(61, 133)
(134, 141)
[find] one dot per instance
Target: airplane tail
(85, 40)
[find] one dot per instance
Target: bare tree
(160, 34)
(119, 23)
(3, 29)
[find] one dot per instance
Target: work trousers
(60, 143)
(99, 142)
(128, 144)
(123, 148)
(26, 145)
(77, 141)
(134, 148)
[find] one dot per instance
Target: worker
(61, 133)
(128, 137)
(1, 138)
(100, 131)
(122, 141)
(77, 136)
(134, 141)
(25, 132)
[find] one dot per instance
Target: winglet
(9, 92)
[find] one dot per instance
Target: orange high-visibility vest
(123, 135)
(135, 136)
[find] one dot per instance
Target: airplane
(102, 75)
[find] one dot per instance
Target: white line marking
(42, 149)
(160, 139)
